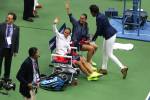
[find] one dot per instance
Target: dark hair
(84, 14)
(32, 51)
(94, 9)
(13, 14)
(68, 29)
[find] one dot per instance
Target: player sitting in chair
(63, 48)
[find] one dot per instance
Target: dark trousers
(28, 9)
(7, 56)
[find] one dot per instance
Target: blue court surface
(144, 32)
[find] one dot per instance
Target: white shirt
(9, 38)
(62, 43)
(36, 76)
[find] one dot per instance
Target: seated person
(63, 46)
(80, 33)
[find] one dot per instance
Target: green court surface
(110, 87)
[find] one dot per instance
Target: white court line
(148, 96)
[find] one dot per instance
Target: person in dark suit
(29, 75)
(28, 10)
(9, 43)
(105, 29)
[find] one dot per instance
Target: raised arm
(55, 30)
(67, 6)
(72, 19)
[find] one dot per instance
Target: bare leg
(94, 46)
(90, 50)
(83, 69)
(87, 65)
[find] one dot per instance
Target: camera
(7, 85)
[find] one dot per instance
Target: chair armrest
(62, 59)
(73, 48)
(57, 55)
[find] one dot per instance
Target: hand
(86, 42)
(35, 85)
(69, 51)
(92, 43)
(38, 85)
(30, 85)
(56, 20)
(67, 6)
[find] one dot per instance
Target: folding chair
(55, 58)
(63, 61)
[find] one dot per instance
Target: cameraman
(29, 76)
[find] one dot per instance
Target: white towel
(122, 46)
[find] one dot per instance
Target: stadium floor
(110, 87)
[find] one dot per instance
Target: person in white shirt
(63, 46)
(62, 40)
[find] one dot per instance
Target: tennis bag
(59, 79)
(54, 82)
